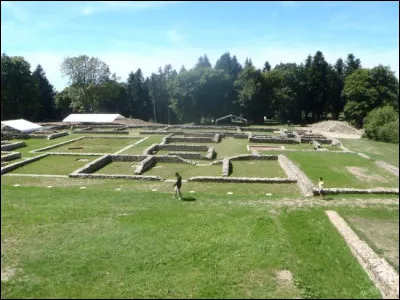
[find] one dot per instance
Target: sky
(146, 35)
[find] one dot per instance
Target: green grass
(376, 150)
(332, 167)
(147, 245)
(165, 152)
(139, 148)
(167, 170)
(54, 164)
(384, 240)
(257, 168)
(230, 147)
(119, 167)
(96, 145)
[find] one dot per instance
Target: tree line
(300, 93)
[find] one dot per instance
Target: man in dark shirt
(178, 185)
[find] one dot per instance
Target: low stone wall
(154, 132)
(258, 129)
(145, 165)
(189, 139)
(93, 166)
(57, 135)
(293, 172)
(211, 154)
(385, 278)
(335, 191)
(16, 165)
(273, 140)
(253, 157)
(149, 150)
(241, 179)
(226, 167)
(102, 132)
(12, 146)
(11, 156)
(173, 159)
(57, 145)
(392, 169)
(119, 158)
(217, 138)
(192, 148)
(240, 136)
(323, 141)
(116, 176)
(188, 155)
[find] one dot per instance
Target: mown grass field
(55, 165)
(333, 168)
(376, 150)
(114, 238)
(119, 244)
(95, 145)
(379, 227)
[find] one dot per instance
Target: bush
(382, 124)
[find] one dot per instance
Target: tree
(267, 67)
(366, 89)
(46, 95)
(382, 124)
(352, 64)
(203, 62)
(63, 103)
(19, 91)
(88, 77)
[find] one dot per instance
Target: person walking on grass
(178, 185)
(321, 187)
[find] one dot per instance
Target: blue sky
(129, 35)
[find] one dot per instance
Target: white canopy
(94, 118)
(21, 125)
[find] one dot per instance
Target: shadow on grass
(188, 199)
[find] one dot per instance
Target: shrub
(382, 124)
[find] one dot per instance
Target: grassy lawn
(230, 147)
(55, 165)
(33, 144)
(119, 167)
(139, 148)
(257, 168)
(333, 168)
(127, 244)
(379, 227)
(376, 150)
(96, 145)
(167, 170)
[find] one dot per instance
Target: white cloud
(106, 6)
(174, 36)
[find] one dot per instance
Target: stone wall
(173, 159)
(275, 140)
(192, 148)
(382, 274)
(188, 155)
(253, 157)
(16, 165)
(57, 145)
(241, 179)
(125, 157)
(12, 146)
(57, 135)
(258, 129)
(116, 176)
(145, 165)
(11, 156)
(149, 150)
(335, 191)
(95, 165)
(324, 141)
(240, 136)
(189, 139)
(293, 172)
(211, 154)
(226, 167)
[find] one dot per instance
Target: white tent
(93, 118)
(20, 125)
